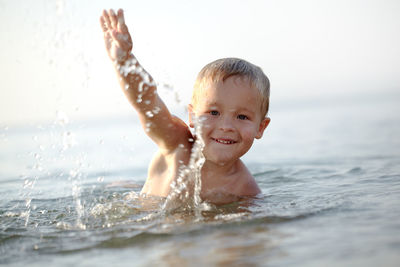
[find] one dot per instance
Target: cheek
(249, 132)
(206, 126)
(206, 121)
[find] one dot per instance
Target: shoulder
(246, 184)
(250, 188)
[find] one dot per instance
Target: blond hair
(222, 69)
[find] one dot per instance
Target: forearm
(136, 83)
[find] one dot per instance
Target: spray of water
(185, 190)
(75, 174)
(30, 182)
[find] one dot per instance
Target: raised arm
(139, 87)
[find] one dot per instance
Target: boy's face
(230, 113)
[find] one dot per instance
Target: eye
(214, 112)
(242, 117)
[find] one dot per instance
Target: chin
(220, 160)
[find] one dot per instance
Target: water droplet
(61, 118)
(148, 125)
(149, 114)
(140, 87)
(38, 167)
(73, 173)
(156, 110)
(146, 78)
(139, 98)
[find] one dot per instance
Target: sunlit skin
(232, 120)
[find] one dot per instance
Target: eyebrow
(246, 110)
(240, 109)
(207, 103)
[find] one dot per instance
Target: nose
(225, 124)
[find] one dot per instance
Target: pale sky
(53, 57)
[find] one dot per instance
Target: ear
(191, 115)
(263, 125)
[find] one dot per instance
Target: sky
(53, 61)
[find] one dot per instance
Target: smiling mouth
(224, 141)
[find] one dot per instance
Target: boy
(231, 99)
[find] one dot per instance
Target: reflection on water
(226, 247)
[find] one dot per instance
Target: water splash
(30, 181)
(185, 191)
(76, 177)
(75, 174)
(29, 184)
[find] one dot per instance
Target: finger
(121, 17)
(107, 39)
(106, 19)
(113, 19)
(103, 24)
(121, 21)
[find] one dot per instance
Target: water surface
(329, 172)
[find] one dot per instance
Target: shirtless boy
(230, 98)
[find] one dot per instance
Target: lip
(224, 141)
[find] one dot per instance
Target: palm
(117, 39)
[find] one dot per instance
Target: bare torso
(165, 169)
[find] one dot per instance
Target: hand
(117, 39)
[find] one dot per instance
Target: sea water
(329, 172)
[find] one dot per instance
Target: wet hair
(222, 69)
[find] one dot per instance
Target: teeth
(224, 141)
